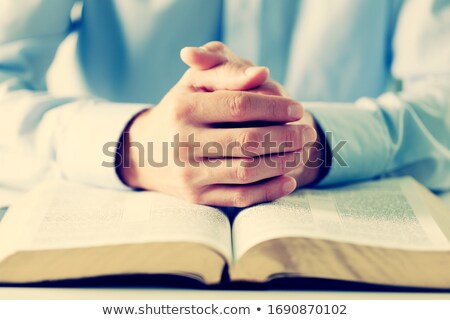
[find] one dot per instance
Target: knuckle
(240, 199)
(239, 105)
(194, 196)
(186, 176)
(243, 173)
(249, 137)
(243, 139)
(182, 108)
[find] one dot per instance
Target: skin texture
(226, 100)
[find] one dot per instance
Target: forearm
(41, 134)
(396, 134)
(65, 137)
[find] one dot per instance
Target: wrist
(126, 167)
(317, 164)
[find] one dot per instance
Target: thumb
(212, 70)
(201, 58)
(227, 76)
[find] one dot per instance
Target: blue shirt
(375, 74)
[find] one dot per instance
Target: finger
(247, 195)
(271, 87)
(220, 48)
(226, 106)
(227, 76)
(210, 55)
(247, 170)
(215, 67)
(252, 142)
(201, 58)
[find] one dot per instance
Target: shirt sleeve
(402, 133)
(44, 135)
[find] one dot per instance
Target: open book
(389, 231)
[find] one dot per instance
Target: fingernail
(289, 186)
(251, 71)
(309, 135)
(295, 111)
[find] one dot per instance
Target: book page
(60, 215)
(387, 213)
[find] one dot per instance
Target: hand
(214, 54)
(178, 147)
(216, 57)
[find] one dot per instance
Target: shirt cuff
(87, 141)
(357, 137)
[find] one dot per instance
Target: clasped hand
(224, 135)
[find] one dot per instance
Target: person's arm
(40, 134)
(406, 132)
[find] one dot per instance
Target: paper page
(386, 213)
(62, 215)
